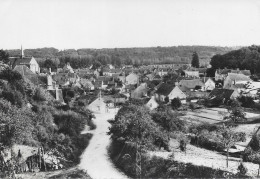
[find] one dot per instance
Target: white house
(221, 74)
(234, 79)
(132, 79)
(30, 62)
(191, 73)
(209, 84)
(98, 105)
(169, 90)
(152, 104)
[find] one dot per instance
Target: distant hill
(146, 55)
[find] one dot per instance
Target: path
(95, 159)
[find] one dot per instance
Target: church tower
(22, 53)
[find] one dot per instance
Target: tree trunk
(227, 156)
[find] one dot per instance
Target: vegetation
(4, 56)
(195, 60)
(42, 122)
(118, 56)
(176, 103)
(244, 58)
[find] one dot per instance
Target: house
(221, 74)
(234, 79)
(67, 68)
(87, 84)
(152, 103)
(163, 71)
(140, 91)
(209, 84)
(169, 90)
(30, 62)
(112, 72)
(102, 82)
(189, 73)
(23, 70)
(65, 79)
(98, 105)
(191, 85)
(219, 96)
(244, 72)
(202, 72)
(132, 79)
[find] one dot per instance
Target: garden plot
(202, 157)
(212, 115)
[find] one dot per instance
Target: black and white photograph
(129, 89)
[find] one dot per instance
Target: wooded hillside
(178, 54)
(244, 58)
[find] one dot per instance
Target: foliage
(168, 120)
(242, 170)
(157, 167)
(244, 58)
(4, 56)
(18, 125)
(229, 138)
(176, 103)
(10, 75)
(195, 60)
(15, 97)
(247, 101)
(134, 124)
(51, 63)
(82, 58)
(39, 95)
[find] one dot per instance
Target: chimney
(22, 53)
(50, 70)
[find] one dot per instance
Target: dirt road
(95, 159)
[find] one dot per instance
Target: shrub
(176, 103)
(247, 101)
(15, 97)
(242, 170)
(39, 95)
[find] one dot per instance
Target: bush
(176, 103)
(247, 101)
(39, 95)
(15, 97)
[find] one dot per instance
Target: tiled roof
(191, 84)
(238, 77)
(165, 89)
(23, 70)
(223, 71)
(221, 93)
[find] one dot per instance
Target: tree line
(118, 56)
(244, 58)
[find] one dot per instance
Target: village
(200, 99)
(100, 89)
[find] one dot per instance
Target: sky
(74, 24)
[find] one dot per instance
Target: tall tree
(195, 60)
(4, 56)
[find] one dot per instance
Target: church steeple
(22, 53)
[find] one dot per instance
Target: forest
(244, 58)
(118, 56)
